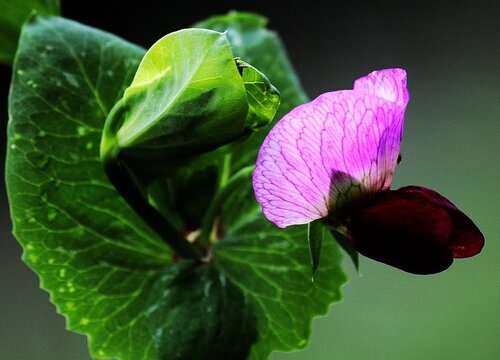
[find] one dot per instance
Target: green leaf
(263, 98)
(13, 14)
(272, 268)
(261, 47)
(195, 312)
(93, 255)
(315, 238)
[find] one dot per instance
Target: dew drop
(86, 321)
(89, 146)
(82, 130)
(206, 288)
(222, 279)
(109, 73)
(51, 214)
(13, 146)
(31, 220)
(62, 273)
(51, 261)
(71, 79)
(32, 84)
(151, 309)
(20, 72)
(41, 134)
(49, 48)
(61, 290)
(70, 305)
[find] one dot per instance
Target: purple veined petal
(324, 154)
(389, 84)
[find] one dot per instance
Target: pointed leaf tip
(315, 233)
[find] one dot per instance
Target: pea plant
(189, 201)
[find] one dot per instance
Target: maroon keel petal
(414, 229)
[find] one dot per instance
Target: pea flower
(333, 159)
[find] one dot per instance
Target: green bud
(189, 96)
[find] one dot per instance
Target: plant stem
(229, 186)
(121, 178)
(226, 170)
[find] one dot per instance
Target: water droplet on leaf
(82, 130)
(51, 214)
(206, 289)
(71, 79)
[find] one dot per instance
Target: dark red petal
(414, 229)
(466, 239)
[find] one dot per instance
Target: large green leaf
(257, 45)
(195, 312)
(13, 14)
(92, 253)
(102, 266)
(273, 269)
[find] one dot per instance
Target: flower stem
(228, 187)
(226, 170)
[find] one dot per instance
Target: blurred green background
(451, 51)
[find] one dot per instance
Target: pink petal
(324, 154)
(389, 84)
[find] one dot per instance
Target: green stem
(229, 186)
(226, 170)
(121, 178)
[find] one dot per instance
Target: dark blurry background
(451, 51)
